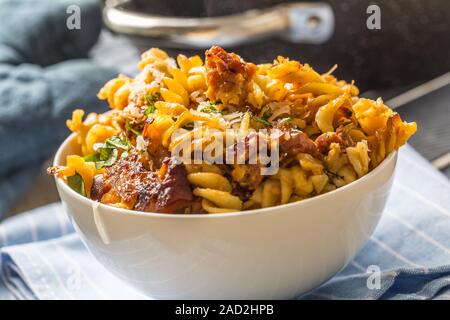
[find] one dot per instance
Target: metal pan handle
(301, 22)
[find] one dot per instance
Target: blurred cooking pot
(411, 44)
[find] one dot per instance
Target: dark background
(412, 46)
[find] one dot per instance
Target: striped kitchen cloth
(408, 257)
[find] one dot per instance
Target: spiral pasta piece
(209, 207)
(97, 133)
(358, 157)
(203, 167)
(389, 138)
(175, 92)
(209, 180)
(221, 199)
(116, 92)
(325, 114)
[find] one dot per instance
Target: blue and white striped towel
(42, 257)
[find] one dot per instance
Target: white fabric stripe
(47, 262)
(443, 282)
(418, 232)
(79, 269)
(445, 296)
(395, 253)
(443, 179)
(13, 292)
(62, 225)
(33, 231)
(358, 266)
(26, 278)
(423, 199)
(2, 273)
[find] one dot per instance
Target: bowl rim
(332, 194)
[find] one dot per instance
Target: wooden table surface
(431, 112)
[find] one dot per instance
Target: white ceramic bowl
(278, 252)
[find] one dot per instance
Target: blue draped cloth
(44, 75)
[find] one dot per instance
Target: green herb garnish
(76, 183)
(210, 108)
(118, 142)
(265, 118)
(130, 128)
(263, 121)
(108, 152)
(151, 109)
(151, 98)
(266, 115)
(91, 158)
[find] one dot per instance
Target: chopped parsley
(107, 157)
(118, 142)
(210, 109)
(108, 152)
(261, 120)
(267, 114)
(91, 158)
(76, 183)
(150, 100)
(130, 128)
(150, 109)
(265, 118)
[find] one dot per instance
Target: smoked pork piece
(227, 76)
(165, 191)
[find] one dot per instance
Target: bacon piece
(99, 187)
(128, 177)
(170, 192)
(227, 76)
(341, 137)
(176, 192)
(294, 141)
(165, 191)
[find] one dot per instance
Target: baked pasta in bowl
(226, 179)
(224, 135)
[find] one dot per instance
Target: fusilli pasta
(142, 154)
